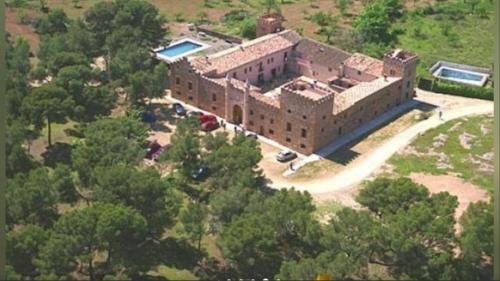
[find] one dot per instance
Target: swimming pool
(461, 74)
(458, 74)
(180, 49)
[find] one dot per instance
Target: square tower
(400, 63)
(269, 23)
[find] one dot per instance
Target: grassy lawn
(473, 164)
(174, 274)
(469, 40)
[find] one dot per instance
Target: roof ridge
(326, 45)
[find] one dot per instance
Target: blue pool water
(457, 74)
(179, 49)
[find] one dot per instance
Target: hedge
(485, 93)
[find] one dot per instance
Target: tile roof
(321, 53)
(247, 52)
(365, 64)
(349, 97)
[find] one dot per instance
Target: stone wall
(313, 70)
(184, 82)
(216, 34)
(212, 96)
(265, 119)
(191, 87)
(358, 75)
(296, 121)
(302, 118)
(368, 108)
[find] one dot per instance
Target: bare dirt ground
(465, 192)
(271, 167)
(21, 30)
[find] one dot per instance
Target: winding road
(340, 183)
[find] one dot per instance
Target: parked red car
(210, 125)
(154, 150)
(205, 118)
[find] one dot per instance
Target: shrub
(376, 50)
(485, 93)
(321, 18)
(16, 3)
(235, 16)
(421, 116)
(247, 28)
(428, 10)
(179, 17)
(22, 17)
(417, 32)
(201, 18)
(38, 73)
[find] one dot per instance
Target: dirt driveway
(341, 185)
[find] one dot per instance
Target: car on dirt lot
(155, 149)
(179, 109)
(286, 155)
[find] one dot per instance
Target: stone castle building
(294, 90)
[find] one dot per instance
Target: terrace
(309, 88)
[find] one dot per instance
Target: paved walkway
(356, 174)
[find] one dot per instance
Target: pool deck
(182, 33)
(202, 47)
(485, 73)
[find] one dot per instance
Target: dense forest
(91, 209)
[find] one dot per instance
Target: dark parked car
(196, 114)
(286, 155)
(200, 173)
(179, 109)
(148, 117)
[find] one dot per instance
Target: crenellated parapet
(312, 93)
(399, 56)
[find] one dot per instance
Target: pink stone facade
(330, 92)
